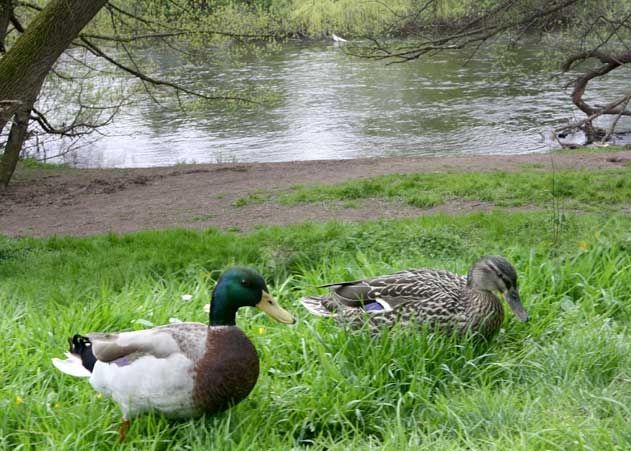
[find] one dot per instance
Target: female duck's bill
(514, 302)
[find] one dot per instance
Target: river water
(331, 105)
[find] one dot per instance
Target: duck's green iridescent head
(243, 287)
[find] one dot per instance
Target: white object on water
(336, 38)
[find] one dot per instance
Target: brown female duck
(427, 296)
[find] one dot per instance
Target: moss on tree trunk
(26, 65)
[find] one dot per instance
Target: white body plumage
(145, 370)
(162, 384)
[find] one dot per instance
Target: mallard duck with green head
(427, 296)
(182, 369)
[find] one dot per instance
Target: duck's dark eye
(246, 283)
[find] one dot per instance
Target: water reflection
(334, 106)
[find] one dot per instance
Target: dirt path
(44, 202)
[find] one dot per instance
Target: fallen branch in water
(586, 124)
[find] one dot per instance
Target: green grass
(31, 163)
(584, 189)
(252, 198)
(203, 217)
(561, 381)
(593, 149)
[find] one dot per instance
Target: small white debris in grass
(143, 322)
(187, 297)
(174, 320)
(567, 304)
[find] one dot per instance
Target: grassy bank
(594, 190)
(560, 381)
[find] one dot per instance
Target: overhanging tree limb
(89, 45)
(478, 30)
(610, 62)
(26, 65)
(58, 25)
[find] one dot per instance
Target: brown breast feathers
(228, 370)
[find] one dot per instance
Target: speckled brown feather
(228, 370)
(425, 296)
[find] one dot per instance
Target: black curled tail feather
(82, 347)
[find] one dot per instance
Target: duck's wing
(186, 339)
(159, 342)
(387, 293)
(414, 285)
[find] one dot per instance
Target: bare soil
(63, 201)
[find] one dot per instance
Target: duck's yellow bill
(271, 307)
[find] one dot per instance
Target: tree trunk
(26, 65)
(8, 109)
(6, 9)
(17, 136)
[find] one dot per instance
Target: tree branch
(474, 32)
(607, 109)
(86, 43)
(610, 62)
(140, 37)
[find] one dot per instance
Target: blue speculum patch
(373, 306)
(123, 361)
